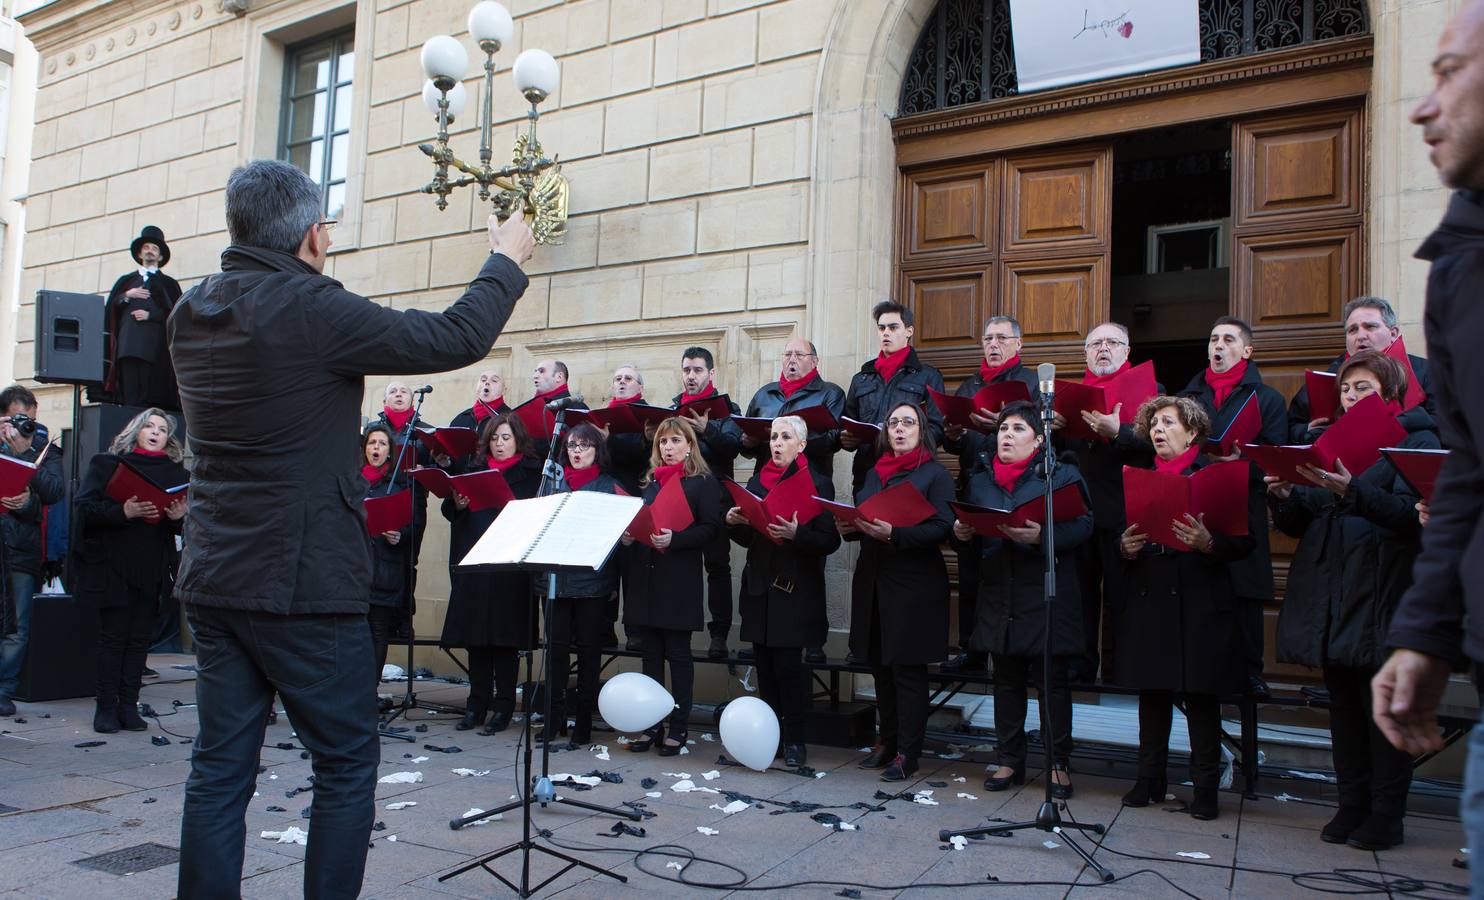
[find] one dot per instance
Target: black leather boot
(1145, 791)
(106, 716)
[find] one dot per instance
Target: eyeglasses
(328, 224)
(908, 422)
(579, 446)
(1100, 343)
(999, 338)
(796, 354)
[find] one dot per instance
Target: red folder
(818, 419)
(454, 442)
(717, 406)
(863, 430)
(755, 427)
(126, 483)
(389, 513)
(650, 415)
(613, 419)
(1324, 394)
(901, 505)
(1243, 428)
(993, 397)
(1066, 504)
(1356, 440)
(1415, 393)
(792, 496)
(539, 420)
(486, 490)
(15, 474)
(1131, 389)
(1155, 499)
(1419, 467)
(670, 509)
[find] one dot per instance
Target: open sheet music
(563, 531)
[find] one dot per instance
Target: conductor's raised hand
(512, 237)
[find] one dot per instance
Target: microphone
(425, 389)
(1046, 374)
(568, 402)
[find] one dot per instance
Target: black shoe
(1377, 832)
(814, 656)
(150, 673)
(1346, 820)
(554, 727)
(650, 738)
(1203, 804)
(1257, 687)
(880, 757)
(669, 749)
(900, 769)
(955, 661)
(633, 645)
(106, 718)
(582, 732)
(129, 718)
(1061, 791)
(498, 722)
(795, 755)
(7, 706)
(1144, 792)
(745, 654)
(718, 648)
(1016, 776)
(852, 660)
(473, 718)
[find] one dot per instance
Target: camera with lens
(24, 424)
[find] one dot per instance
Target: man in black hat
(139, 370)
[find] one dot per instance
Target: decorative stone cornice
(74, 36)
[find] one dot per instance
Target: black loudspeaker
(60, 650)
(70, 339)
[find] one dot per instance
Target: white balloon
(632, 701)
(749, 731)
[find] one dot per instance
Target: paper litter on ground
(418, 759)
(1193, 854)
(401, 778)
(474, 811)
(735, 806)
(290, 835)
(272, 776)
(925, 798)
(676, 774)
(624, 740)
(958, 841)
(712, 775)
(1312, 776)
(963, 796)
(1050, 845)
(704, 830)
(960, 779)
(686, 786)
(674, 865)
(684, 751)
(401, 804)
(601, 750)
(707, 737)
(589, 780)
(471, 773)
(392, 838)
(820, 774)
(1285, 797)
(654, 795)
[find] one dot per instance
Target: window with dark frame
(314, 134)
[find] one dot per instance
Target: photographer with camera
(21, 526)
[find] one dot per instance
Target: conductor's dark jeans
(321, 666)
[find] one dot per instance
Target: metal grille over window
(315, 131)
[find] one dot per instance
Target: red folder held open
(1156, 499)
(717, 406)
(454, 442)
(993, 397)
(15, 474)
(1066, 504)
(613, 419)
(392, 512)
(127, 482)
(866, 431)
(1356, 440)
(486, 490)
(670, 509)
(901, 505)
(1419, 467)
(1324, 394)
(1415, 393)
(755, 426)
(1131, 389)
(792, 496)
(1243, 428)
(539, 420)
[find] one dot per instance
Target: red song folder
(1324, 394)
(454, 442)
(864, 430)
(539, 420)
(717, 406)
(1418, 467)
(1415, 393)
(901, 505)
(613, 419)
(1066, 504)
(670, 509)
(127, 482)
(650, 415)
(392, 512)
(755, 427)
(993, 397)
(1131, 389)
(792, 496)
(1243, 428)
(1356, 440)
(1218, 492)
(15, 474)
(486, 490)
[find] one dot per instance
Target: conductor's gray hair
(271, 204)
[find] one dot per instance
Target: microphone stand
(409, 699)
(1048, 817)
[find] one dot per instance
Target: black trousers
(581, 622)
(1101, 575)
(321, 668)
(493, 672)
(1249, 620)
(901, 698)
(134, 382)
(968, 595)
(718, 559)
(783, 683)
(383, 623)
(661, 645)
(124, 633)
(1012, 676)
(1202, 716)
(1371, 774)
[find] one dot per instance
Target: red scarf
(990, 374)
(398, 418)
(1007, 474)
(626, 400)
(484, 410)
(790, 387)
(1178, 464)
(887, 364)
(663, 474)
(503, 465)
(371, 473)
(579, 478)
(143, 452)
(770, 474)
(552, 394)
(1093, 380)
(891, 465)
(708, 391)
(1223, 383)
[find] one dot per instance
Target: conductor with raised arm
(276, 570)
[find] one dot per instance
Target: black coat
(388, 561)
(1442, 613)
(489, 609)
(720, 442)
(1353, 563)
(1010, 613)
(21, 528)
(1178, 630)
(782, 602)
(421, 456)
(628, 460)
(1252, 576)
(1299, 415)
(972, 443)
(604, 581)
(142, 340)
(770, 403)
(466, 418)
(1102, 465)
(276, 522)
(116, 552)
(664, 590)
(902, 586)
(871, 400)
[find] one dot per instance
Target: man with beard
(139, 370)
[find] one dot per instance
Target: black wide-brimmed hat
(150, 235)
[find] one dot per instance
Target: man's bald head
(1452, 113)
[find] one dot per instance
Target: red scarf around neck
(552, 394)
(663, 474)
(503, 465)
(770, 474)
(580, 478)
(887, 364)
(371, 473)
(483, 410)
(1223, 383)
(625, 401)
(891, 465)
(143, 452)
(990, 374)
(1094, 380)
(708, 391)
(397, 417)
(789, 387)
(1179, 463)
(1007, 474)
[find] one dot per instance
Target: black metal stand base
(456, 824)
(1048, 819)
(524, 889)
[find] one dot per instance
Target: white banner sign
(1061, 42)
